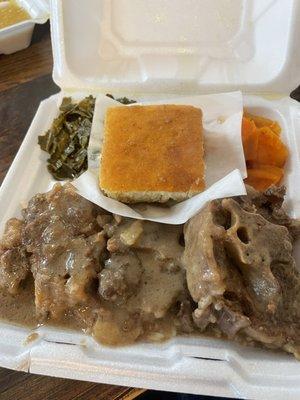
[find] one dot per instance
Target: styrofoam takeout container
(158, 49)
(18, 36)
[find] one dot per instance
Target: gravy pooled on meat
(70, 262)
(241, 272)
(111, 273)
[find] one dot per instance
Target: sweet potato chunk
(261, 122)
(271, 150)
(250, 139)
(265, 153)
(263, 176)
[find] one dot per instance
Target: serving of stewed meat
(241, 272)
(229, 271)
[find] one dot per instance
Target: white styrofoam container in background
(18, 36)
(150, 49)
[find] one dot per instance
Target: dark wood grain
(26, 65)
(17, 108)
(25, 80)
(20, 385)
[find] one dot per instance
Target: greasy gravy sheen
(122, 324)
(19, 309)
(117, 279)
(12, 14)
(228, 272)
(158, 291)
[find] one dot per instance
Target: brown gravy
(71, 264)
(19, 309)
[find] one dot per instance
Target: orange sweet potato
(263, 176)
(250, 139)
(265, 153)
(270, 149)
(261, 122)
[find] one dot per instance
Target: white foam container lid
(176, 46)
(150, 49)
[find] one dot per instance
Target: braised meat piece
(141, 281)
(70, 246)
(65, 242)
(229, 271)
(67, 269)
(270, 205)
(241, 272)
(14, 268)
(255, 246)
(139, 296)
(12, 236)
(159, 251)
(121, 277)
(162, 239)
(14, 263)
(75, 212)
(185, 321)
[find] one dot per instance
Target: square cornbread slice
(152, 153)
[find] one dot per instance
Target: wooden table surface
(26, 79)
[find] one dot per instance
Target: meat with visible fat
(14, 268)
(162, 239)
(123, 280)
(12, 236)
(121, 277)
(14, 265)
(241, 272)
(65, 244)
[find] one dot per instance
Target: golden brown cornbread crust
(155, 148)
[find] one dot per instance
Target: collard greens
(68, 138)
(123, 100)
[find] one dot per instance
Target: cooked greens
(123, 100)
(68, 138)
